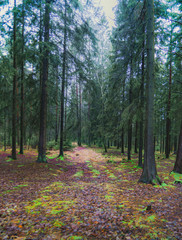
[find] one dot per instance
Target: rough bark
(149, 174)
(178, 163)
(140, 155)
(43, 103)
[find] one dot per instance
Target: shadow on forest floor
(87, 195)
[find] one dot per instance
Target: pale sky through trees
(108, 6)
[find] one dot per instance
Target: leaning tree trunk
(43, 103)
(14, 110)
(178, 163)
(149, 174)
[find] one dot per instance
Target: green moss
(42, 159)
(95, 171)
(177, 177)
(75, 238)
(9, 160)
(23, 185)
(151, 218)
(58, 224)
(78, 174)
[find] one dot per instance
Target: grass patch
(78, 174)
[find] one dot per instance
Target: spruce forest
(90, 120)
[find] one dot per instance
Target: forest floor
(87, 195)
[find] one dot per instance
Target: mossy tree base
(41, 159)
(152, 179)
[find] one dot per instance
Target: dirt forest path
(85, 195)
(82, 154)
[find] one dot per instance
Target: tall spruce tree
(149, 174)
(14, 104)
(43, 103)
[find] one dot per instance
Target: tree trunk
(149, 174)
(168, 120)
(56, 129)
(77, 111)
(129, 139)
(140, 164)
(65, 118)
(43, 103)
(175, 144)
(130, 121)
(178, 163)
(80, 115)
(122, 140)
(14, 110)
(63, 82)
(136, 137)
(22, 84)
(89, 128)
(5, 130)
(105, 147)
(122, 130)
(40, 44)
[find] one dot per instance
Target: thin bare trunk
(56, 129)
(136, 137)
(22, 85)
